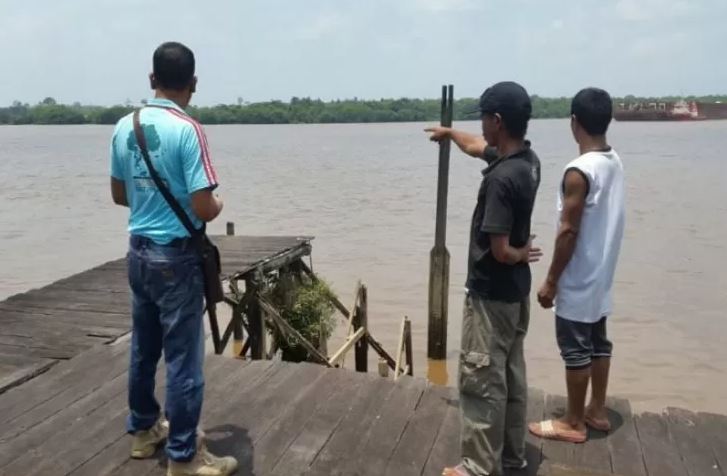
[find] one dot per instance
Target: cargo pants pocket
(474, 373)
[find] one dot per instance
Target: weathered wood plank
(315, 433)
(32, 437)
(412, 452)
(446, 451)
(533, 444)
(332, 459)
(661, 455)
(693, 442)
(67, 380)
(18, 374)
(623, 442)
(115, 459)
(83, 438)
(266, 411)
(278, 437)
(376, 446)
(715, 428)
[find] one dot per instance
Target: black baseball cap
(508, 99)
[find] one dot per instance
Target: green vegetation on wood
(297, 111)
(307, 306)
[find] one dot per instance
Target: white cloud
(448, 5)
(644, 10)
(323, 25)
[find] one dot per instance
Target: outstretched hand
(438, 133)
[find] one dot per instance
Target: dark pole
(439, 256)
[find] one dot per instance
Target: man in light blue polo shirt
(165, 271)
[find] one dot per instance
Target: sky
(99, 51)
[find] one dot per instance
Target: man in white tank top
(580, 279)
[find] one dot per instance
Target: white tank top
(584, 289)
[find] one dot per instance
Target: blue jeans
(167, 312)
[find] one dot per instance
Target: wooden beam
(214, 327)
(339, 305)
(352, 316)
(439, 256)
(288, 330)
(400, 349)
(285, 258)
(238, 309)
(350, 341)
(256, 320)
(362, 346)
(408, 347)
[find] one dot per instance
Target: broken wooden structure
(254, 316)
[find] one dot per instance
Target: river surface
(367, 192)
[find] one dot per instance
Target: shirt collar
(499, 160)
(160, 102)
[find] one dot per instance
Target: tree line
(297, 111)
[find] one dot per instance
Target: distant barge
(670, 111)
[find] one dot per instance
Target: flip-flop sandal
(458, 470)
(545, 429)
(598, 425)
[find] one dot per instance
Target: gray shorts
(581, 342)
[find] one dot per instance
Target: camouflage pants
(492, 384)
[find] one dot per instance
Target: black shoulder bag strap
(208, 251)
(161, 186)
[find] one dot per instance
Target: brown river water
(367, 192)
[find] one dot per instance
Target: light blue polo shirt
(178, 150)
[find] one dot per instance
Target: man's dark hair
(516, 125)
(512, 102)
(173, 66)
(593, 109)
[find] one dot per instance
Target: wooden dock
(292, 419)
(63, 377)
(43, 326)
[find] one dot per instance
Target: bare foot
(458, 470)
(597, 418)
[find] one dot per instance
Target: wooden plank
(62, 295)
(446, 451)
(594, 453)
(660, 453)
(623, 442)
(332, 459)
(51, 304)
(24, 372)
(692, 442)
(412, 452)
(260, 412)
(69, 378)
(115, 459)
(715, 428)
(350, 342)
(28, 322)
(37, 436)
(314, 434)
(301, 406)
(556, 451)
(376, 446)
(84, 437)
(219, 417)
(533, 444)
(121, 319)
